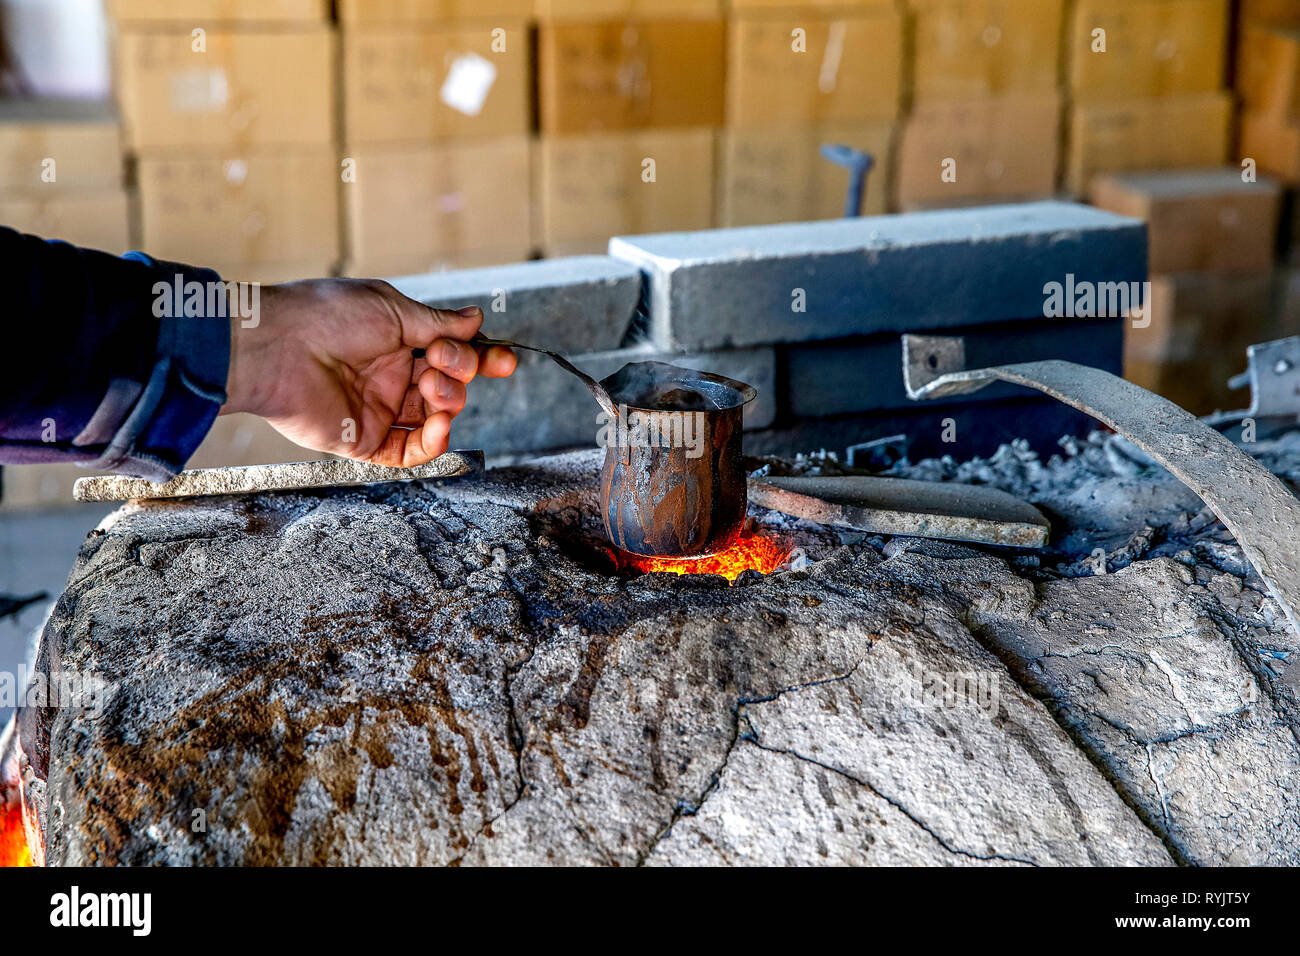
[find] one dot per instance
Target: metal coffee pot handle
(596, 388)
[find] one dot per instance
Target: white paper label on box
(236, 171)
(468, 83)
(200, 90)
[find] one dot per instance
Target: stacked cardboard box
(1211, 238)
(800, 76)
(437, 115)
(986, 116)
(629, 96)
(1147, 86)
(1268, 83)
(61, 173)
(228, 108)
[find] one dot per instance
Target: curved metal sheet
(1260, 511)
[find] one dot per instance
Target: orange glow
(760, 553)
(14, 850)
(20, 838)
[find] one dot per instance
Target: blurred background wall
(280, 139)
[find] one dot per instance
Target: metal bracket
(926, 357)
(1273, 374)
(1254, 505)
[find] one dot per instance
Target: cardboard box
(1268, 69)
(420, 85)
(1200, 327)
(744, 7)
(607, 184)
(431, 11)
(263, 207)
(553, 10)
(630, 74)
(419, 205)
(1198, 220)
(1152, 48)
(389, 267)
(200, 12)
(1287, 298)
(249, 88)
(95, 218)
(1273, 142)
(780, 175)
(1001, 147)
(967, 49)
(273, 273)
(1279, 11)
(591, 246)
(1164, 133)
(791, 69)
(59, 145)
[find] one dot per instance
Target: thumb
(422, 324)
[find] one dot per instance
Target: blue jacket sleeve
(118, 364)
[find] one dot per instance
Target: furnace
(461, 671)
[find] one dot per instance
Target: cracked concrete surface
(423, 674)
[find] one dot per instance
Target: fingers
(442, 334)
(497, 362)
(453, 358)
(413, 410)
(462, 362)
(406, 448)
(433, 438)
(440, 393)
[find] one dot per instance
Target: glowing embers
(20, 839)
(756, 552)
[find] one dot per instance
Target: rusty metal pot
(673, 482)
(667, 499)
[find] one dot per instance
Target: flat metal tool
(1254, 505)
(293, 476)
(928, 509)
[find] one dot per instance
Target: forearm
(105, 368)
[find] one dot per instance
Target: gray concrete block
(908, 273)
(578, 304)
(838, 378)
(542, 407)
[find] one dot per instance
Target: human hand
(329, 352)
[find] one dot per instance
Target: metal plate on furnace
(927, 509)
(292, 476)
